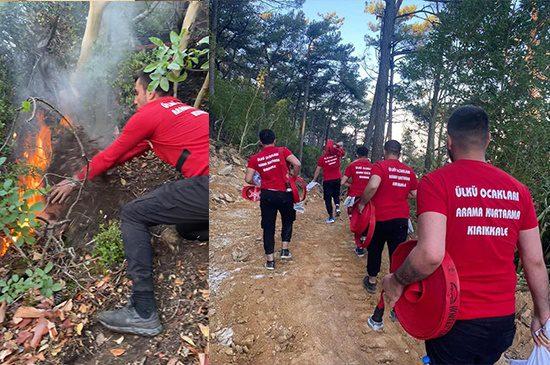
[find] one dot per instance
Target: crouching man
(178, 135)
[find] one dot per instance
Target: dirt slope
(311, 310)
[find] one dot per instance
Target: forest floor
(181, 273)
(309, 310)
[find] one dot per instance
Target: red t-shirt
(359, 171)
(485, 208)
(391, 198)
(330, 163)
(169, 127)
(273, 172)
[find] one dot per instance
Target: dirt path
(311, 310)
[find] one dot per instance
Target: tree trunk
(377, 118)
(428, 161)
(202, 91)
(190, 16)
(390, 101)
(91, 32)
(441, 142)
(213, 49)
(306, 101)
(304, 118)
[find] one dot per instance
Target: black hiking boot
(127, 320)
(370, 287)
(285, 253)
(270, 265)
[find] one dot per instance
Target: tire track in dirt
(311, 310)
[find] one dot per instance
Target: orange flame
(37, 155)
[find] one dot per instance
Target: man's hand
(537, 331)
(392, 290)
(61, 191)
(361, 205)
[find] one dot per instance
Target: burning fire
(38, 158)
(37, 155)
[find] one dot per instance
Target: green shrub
(109, 248)
(17, 218)
(17, 286)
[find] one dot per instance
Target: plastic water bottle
(257, 180)
(426, 360)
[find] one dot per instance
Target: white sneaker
(376, 326)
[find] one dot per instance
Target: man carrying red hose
(276, 194)
(479, 215)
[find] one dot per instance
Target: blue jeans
(474, 341)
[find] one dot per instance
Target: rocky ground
(311, 310)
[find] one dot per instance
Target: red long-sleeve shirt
(168, 127)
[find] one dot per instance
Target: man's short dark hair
(392, 146)
(145, 79)
(468, 127)
(362, 151)
(267, 136)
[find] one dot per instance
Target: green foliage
(278, 54)
(109, 248)
(239, 102)
(493, 54)
(17, 217)
(172, 64)
(6, 97)
(17, 285)
(124, 82)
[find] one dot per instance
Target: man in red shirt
(359, 173)
(276, 195)
(178, 135)
(390, 186)
(478, 214)
(329, 163)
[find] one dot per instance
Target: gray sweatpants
(183, 203)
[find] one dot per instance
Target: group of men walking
(469, 209)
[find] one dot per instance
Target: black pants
(394, 232)
(475, 341)
(183, 203)
(331, 192)
(272, 202)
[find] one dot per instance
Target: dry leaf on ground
(117, 352)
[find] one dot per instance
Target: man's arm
(137, 129)
(293, 160)
(530, 251)
(370, 190)
(423, 260)
(249, 176)
(138, 150)
(316, 173)
(134, 132)
(344, 180)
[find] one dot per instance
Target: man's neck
(475, 156)
(268, 145)
(391, 157)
